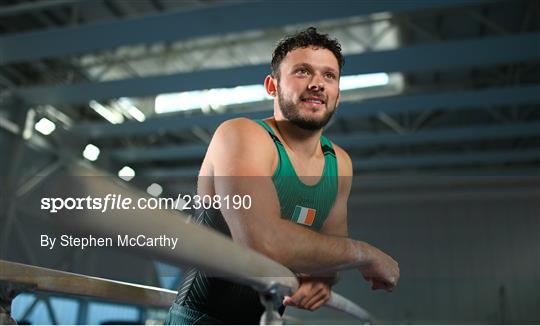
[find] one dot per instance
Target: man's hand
(382, 271)
(312, 293)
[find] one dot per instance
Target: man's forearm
(305, 251)
(261, 228)
(331, 278)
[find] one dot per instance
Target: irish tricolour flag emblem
(304, 215)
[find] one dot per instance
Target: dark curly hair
(303, 39)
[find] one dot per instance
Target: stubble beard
(292, 113)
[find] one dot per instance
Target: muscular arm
(336, 222)
(298, 248)
(240, 154)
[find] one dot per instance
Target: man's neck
(305, 143)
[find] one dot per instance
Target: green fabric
(294, 194)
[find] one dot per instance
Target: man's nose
(316, 84)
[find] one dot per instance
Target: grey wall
(463, 259)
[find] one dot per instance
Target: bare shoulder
(240, 127)
(244, 133)
(344, 161)
(241, 145)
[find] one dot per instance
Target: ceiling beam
(180, 25)
(21, 8)
(141, 155)
(465, 53)
(448, 160)
(445, 101)
(448, 101)
(354, 141)
(395, 162)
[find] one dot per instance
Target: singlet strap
(327, 147)
(270, 131)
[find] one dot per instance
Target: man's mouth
(312, 99)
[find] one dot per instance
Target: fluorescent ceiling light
(179, 204)
(110, 115)
(154, 189)
(91, 152)
(29, 124)
(126, 173)
(183, 101)
(213, 98)
(45, 126)
(219, 97)
(9, 125)
(58, 115)
(127, 106)
(363, 81)
(136, 113)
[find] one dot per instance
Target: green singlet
(306, 205)
(204, 299)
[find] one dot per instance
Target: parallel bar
(340, 303)
(355, 141)
(478, 52)
(200, 246)
(369, 107)
(45, 279)
(55, 281)
(215, 20)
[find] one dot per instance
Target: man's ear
(270, 84)
(337, 100)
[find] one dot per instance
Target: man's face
(308, 87)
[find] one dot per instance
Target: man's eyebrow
(305, 64)
(331, 70)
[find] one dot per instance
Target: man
(299, 183)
